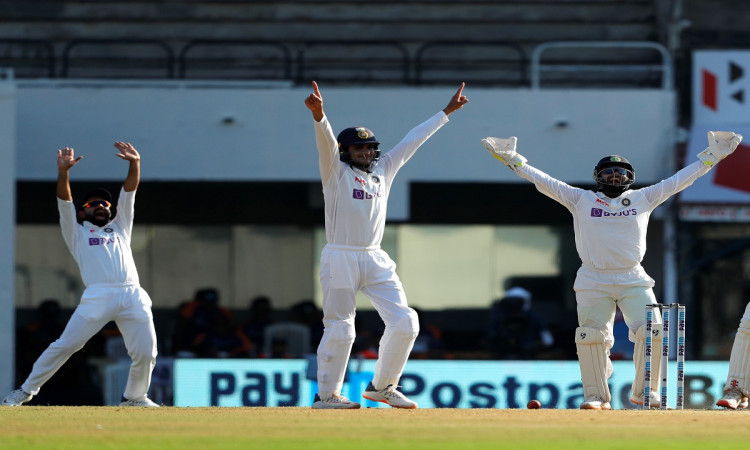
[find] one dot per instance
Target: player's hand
(66, 158)
(723, 143)
(314, 103)
(457, 101)
(127, 151)
(504, 150)
(720, 145)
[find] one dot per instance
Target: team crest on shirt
(375, 179)
(626, 202)
(109, 230)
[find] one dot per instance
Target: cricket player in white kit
(101, 247)
(610, 233)
(737, 388)
(356, 184)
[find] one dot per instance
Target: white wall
(179, 130)
(7, 227)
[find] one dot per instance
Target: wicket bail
(668, 317)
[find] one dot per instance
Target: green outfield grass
(30, 427)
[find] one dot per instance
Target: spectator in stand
(429, 342)
(514, 330)
(71, 385)
(197, 317)
(221, 340)
(254, 327)
(308, 314)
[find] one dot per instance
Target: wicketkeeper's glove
(720, 145)
(505, 151)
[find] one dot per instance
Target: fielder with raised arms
(356, 183)
(737, 388)
(101, 247)
(610, 233)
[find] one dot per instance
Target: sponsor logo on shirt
(598, 212)
(103, 240)
(360, 194)
(360, 181)
(602, 202)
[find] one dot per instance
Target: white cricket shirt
(610, 233)
(355, 200)
(103, 253)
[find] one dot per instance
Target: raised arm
(314, 103)
(65, 160)
(457, 101)
(720, 145)
(504, 150)
(129, 153)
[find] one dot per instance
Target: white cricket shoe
(337, 401)
(390, 396)
(17, 398)
(654, 400)
(733, 398)
(144, 402)
(595, 402)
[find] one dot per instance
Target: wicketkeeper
(610, 226)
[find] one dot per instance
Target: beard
(99, 219)
(612, 191)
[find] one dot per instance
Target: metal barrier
(107, 61)
(472, 65)
(278, 62)
(360, 61)
(665, 67)
(440, 61)
(28, 56)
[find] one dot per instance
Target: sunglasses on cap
(95, 203)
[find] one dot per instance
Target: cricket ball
(534, 404)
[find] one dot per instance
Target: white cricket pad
(739, 360)
(594, 363)
(639, 357)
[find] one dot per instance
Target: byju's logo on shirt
(103, 241)
(360, 194)
(598, 212)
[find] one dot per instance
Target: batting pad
(639, 357)
(594, 362)
(739, 360)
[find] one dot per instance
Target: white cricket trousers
(600, 292)
(129, 307)
(343, 272)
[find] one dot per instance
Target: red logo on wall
(732, 171)
(710, 86)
